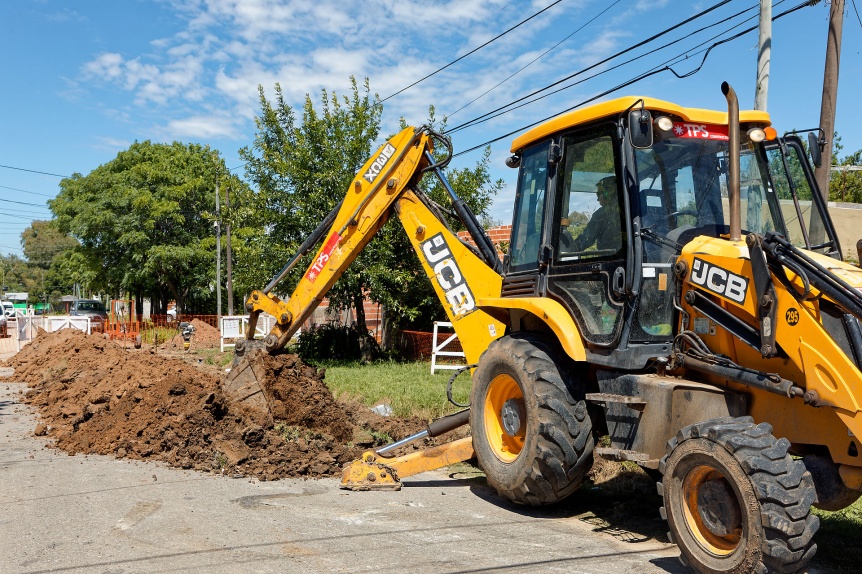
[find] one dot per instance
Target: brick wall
(497, 234)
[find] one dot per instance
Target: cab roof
(617, 106)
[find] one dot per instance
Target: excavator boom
(386, 184)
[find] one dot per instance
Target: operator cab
(608, 195)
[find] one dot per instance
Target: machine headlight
(756, 135)
(664, 123)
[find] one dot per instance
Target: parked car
(91, 308)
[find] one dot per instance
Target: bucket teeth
(365, 474)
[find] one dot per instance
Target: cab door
(588, 234)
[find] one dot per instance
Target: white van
(8, 308)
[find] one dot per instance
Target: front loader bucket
(242, 384)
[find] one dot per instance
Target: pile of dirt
(205, 336)
(95, 396)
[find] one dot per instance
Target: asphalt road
(76, 514)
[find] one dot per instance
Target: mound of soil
(205, 337)
(95, 396)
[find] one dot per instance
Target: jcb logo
(449, 276)
(719, 281)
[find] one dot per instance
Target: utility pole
(228, 254)
(764, 54)
(830, 92)
(218, 247)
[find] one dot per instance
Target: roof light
(756, 135)
(664, 123)
(771, 133)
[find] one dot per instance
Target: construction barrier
(419, 345)
(438, 348)
(233, 327)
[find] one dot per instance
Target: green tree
(302, 167)
(42, 241)
(144, 223)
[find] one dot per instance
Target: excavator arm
(386, 184)
(356, 219)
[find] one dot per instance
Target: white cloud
(201, 127)
(108, 66)
(204, 79)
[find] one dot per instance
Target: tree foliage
(845, 184)
(144, 222)
(42, 241)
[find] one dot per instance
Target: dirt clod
(98, 397)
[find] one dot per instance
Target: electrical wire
(599, 63)
(534, 60)
(857, 12)
(474, 50)
(505, 110)
(25, 191)
(636, 79)
(24, 203)
(34, 171)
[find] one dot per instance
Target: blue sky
(83, 80)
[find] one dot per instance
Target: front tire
(532, 432)
(735, 501)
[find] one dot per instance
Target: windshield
(90, 306)
(683, 187)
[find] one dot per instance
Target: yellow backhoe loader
(673, 282)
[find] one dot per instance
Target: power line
(34, 171)
(24, 211)
(636, 79)
(857, 12)
(16, 216)
(25, 191)
(474, 50)
(23, 203)
(599, 63)
(510, 107)
(533, 61)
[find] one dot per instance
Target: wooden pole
(830, 92)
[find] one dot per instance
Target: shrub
(328, 342)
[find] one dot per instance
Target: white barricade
(437, 350)
(25, 324)
(232, 327)
(53, 323)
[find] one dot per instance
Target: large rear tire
(735, 501)
(532, 431)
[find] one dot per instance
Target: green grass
(409, 388)
(215, 356)
(837, 540)
(164, 334)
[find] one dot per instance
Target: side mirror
(513, 161)
(814, 149)
(640, 129)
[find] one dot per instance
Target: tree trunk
(366, 346)
(389, 327)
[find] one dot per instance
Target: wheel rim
(712, 510)
(502, 389)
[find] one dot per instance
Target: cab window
(528, 221)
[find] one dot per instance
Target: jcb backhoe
(673, 282)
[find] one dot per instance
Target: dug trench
(95, 396)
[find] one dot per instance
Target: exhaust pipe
(733, 162)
